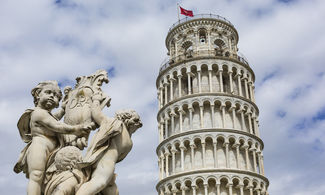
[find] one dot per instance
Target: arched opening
(219, 47)
(203, 36)
(188, 49)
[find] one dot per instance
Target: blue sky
(60, 40)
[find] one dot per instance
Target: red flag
(186, 12)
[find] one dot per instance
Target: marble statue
(52, 158)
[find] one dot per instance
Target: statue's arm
(59, 114)
(61, 111)
(99, 102)
(97, 114)
(43, 118)
(106, 101)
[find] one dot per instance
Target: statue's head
(47, 94)
(67, 158)
(130, 118)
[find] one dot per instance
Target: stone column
(166, 126)
(203, 153)
(230, 82)
(212, 115)
(250, 190)
(210, 81)
(206, 189)
(201, 116)
(232, 110)
(182, 147)
(258, 190)
(161, 94)
(253, 150)
(220, 81)
(174, 190)
(189, 74)
(248, 113)
(179, 85)
(181, 112)
(262, 164)
(245, 147)
(197, 41)
(167, 191)
(236, 146)
(239, 85)
(209, 39)
(199, 80)
(161, 191)
(161, 130)
(166, 92)
(246, 88)
(167, 154)
(171, 80)
(173, 159)
(257, 129)
(254, 122)
(230, 188)
(264, 192)
(159, 166)
(258, 153)
(251, 90)
(193, 146)
(241, 112)
(215, 153)
(184, 189)
(223, 114)
(218, 189)
(241, 188)
(162, 157)
(226, 145)
(190, 109)
(194, 189)
(159, 102)
(229, 43)
(172, 122)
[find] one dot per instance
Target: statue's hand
(64, 104)
(69, 139)
(81, 143)
(86, 128)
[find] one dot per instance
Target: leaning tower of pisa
(209, 141)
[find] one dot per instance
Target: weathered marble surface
(52, 159)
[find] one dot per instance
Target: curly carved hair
(129, 117)
(37, 90)
(67, 158)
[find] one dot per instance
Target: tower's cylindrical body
(208, 119)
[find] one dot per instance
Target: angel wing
(24, 126)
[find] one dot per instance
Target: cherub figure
(110, 145)
(63, 176)
(39, 128)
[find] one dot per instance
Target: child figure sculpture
(39, 128)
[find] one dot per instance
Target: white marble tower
(208, 120)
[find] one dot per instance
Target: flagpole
(178, 12)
